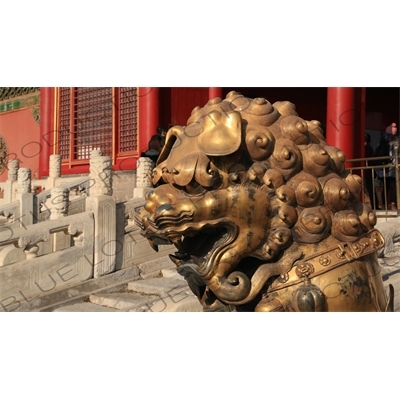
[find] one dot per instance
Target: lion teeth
(175, 260)
(178, 258)
(154, 246)
(178, 244)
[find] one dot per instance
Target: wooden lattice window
(128, 120)
(97, 118)
(65, 123)
(92, 122)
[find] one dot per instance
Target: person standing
(154, 148)
(162, 133)
(391, 130)
(386, 148)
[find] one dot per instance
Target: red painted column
(359, 102)
(46, 129)
(214, 92)
(340, 119)
(148, 115)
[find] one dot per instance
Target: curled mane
(310, 193)
(249, 193)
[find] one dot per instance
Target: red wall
(183, 102)
(176, 104)
(310, 102)
(381, 108)
(381, 105)
(22, 133)
(22, 136)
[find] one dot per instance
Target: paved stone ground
(166, 291)
(390, 265)
(389, 257)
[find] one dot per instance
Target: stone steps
(78, 293)
(84, 307)
(123, 301)
(393, 278)
(170, 293)
(390, 268)
(167, 293)
(164, 290)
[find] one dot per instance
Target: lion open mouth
(201, 245)
(196, 242)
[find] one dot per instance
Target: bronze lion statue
(263, 213)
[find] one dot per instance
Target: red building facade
(38, 122)
(20, 128)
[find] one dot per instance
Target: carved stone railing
(11, 219)
(7, 186)
(129, 212)
(35, 275)
(71, 226)
(78, 190)
(28, 237)
(10, 215)
(24, 196)
(143, 184)
(103, 206)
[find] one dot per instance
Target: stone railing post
(13, 166)
(24, 196)
(59, 202)
(24, 181)
(144, 168)
(54, 170)
(101, 203)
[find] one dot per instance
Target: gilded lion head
(242, 183)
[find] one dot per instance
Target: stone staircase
(150, 286)
(155, 286)
(168, 292)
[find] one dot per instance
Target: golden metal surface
(263, 213)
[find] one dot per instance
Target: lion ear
(221, 133)
(184, 169)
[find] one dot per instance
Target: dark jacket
(386, 148)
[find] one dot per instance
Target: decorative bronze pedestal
(263, 213)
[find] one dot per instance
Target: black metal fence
(380, 177)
